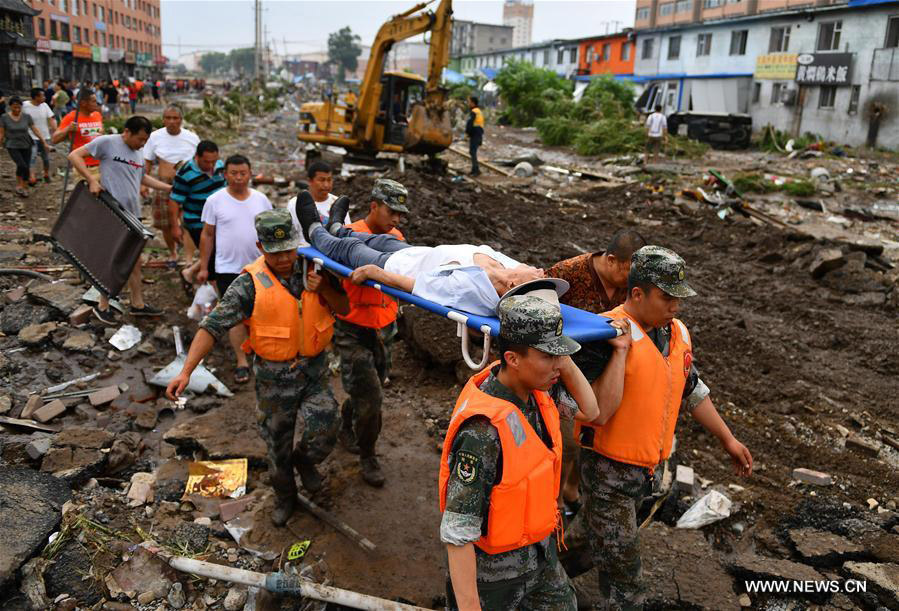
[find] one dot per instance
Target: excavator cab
(399, 90)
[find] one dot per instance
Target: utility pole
(257, 54)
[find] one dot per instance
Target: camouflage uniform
(283, 389)
(364, 365)
(365, 353)
(529, 577)
(605, 533)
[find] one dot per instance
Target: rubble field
(794, 329)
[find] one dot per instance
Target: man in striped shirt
(194, 183)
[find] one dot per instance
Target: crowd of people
(553, 433)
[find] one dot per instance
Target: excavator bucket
(429, 130)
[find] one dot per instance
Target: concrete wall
(864, 31)
(542, 56)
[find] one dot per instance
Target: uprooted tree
(602, 121)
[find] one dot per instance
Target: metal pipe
(288, 584)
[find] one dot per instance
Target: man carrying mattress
(289, 329)
(461, 276)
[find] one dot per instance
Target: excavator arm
(398, 28)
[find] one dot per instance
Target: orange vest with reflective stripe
(641, 431)
(369, 307)
(281, 327)
(523, 506)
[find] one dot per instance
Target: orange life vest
(369, 307)
(282, 328)
(642, 429)
(523, 506)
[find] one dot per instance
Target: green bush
(799, 188)
(557, 131)
(613, 135)
(529, 93)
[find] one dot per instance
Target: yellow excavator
(382, 120)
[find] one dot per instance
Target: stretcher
(580, 325)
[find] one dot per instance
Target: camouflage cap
(275, 231)
(662, 267)
(531, 321)
(391, 193)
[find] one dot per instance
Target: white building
(751, 65)
(558, 55)
(520, 15)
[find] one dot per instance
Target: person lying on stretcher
(460, 276)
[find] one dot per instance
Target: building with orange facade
(96, 39)
(609, 54)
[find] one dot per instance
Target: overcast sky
(305, 24)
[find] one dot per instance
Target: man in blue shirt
(193, 184)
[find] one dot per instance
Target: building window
(572, 56)
(625, 51)
(96, 38)
(63, 6)
(673, 47)
(756, 92)
(738, 42)
(643, 13)
(502, 40)
(76, 34)
(780, 40)
(41, 27)
(560, 56)
(545, 57)
(892, 33)
(666, 9)
(606, 52)
(647, 48)
(712, 3)
(827, 96)
(776, 92)
(829, 36)
(683, 6)
(854, 94)
(103, 38)
(53, 34)
(704, 44)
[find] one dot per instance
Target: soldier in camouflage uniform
(615, 488)
(363, 338)
(284, 388)
(530, 576)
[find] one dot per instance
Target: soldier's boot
(285, 497)
(311, 478)
(371, 471)
(346, 436)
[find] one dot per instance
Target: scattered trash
(204, 300)
(200, 379)
(92, 295)
(712, 507)
(126, 337)
(217, 478)
(298, 550)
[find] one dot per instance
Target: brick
(809, 476)
(50, 411)
(861, 445)
(31, 406)
(684, 479)
(38, 447)
(81, 315)
(104, 395)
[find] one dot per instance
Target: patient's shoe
(337, 216)
(307, 213)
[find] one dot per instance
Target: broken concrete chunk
(84, 437)
(79, 341)
(229, 509)
(810, 476)
(26, 523)
(104, 395)
(5, 404)
(883, 577)
(823, 548)
(34, 335)
(49, 411)
(225, 432)
(825, 260)
(861, 445)
(235, 599)
(684, 480)
(143, 572)
(141, 490)
(58, 295)
(752, 566)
